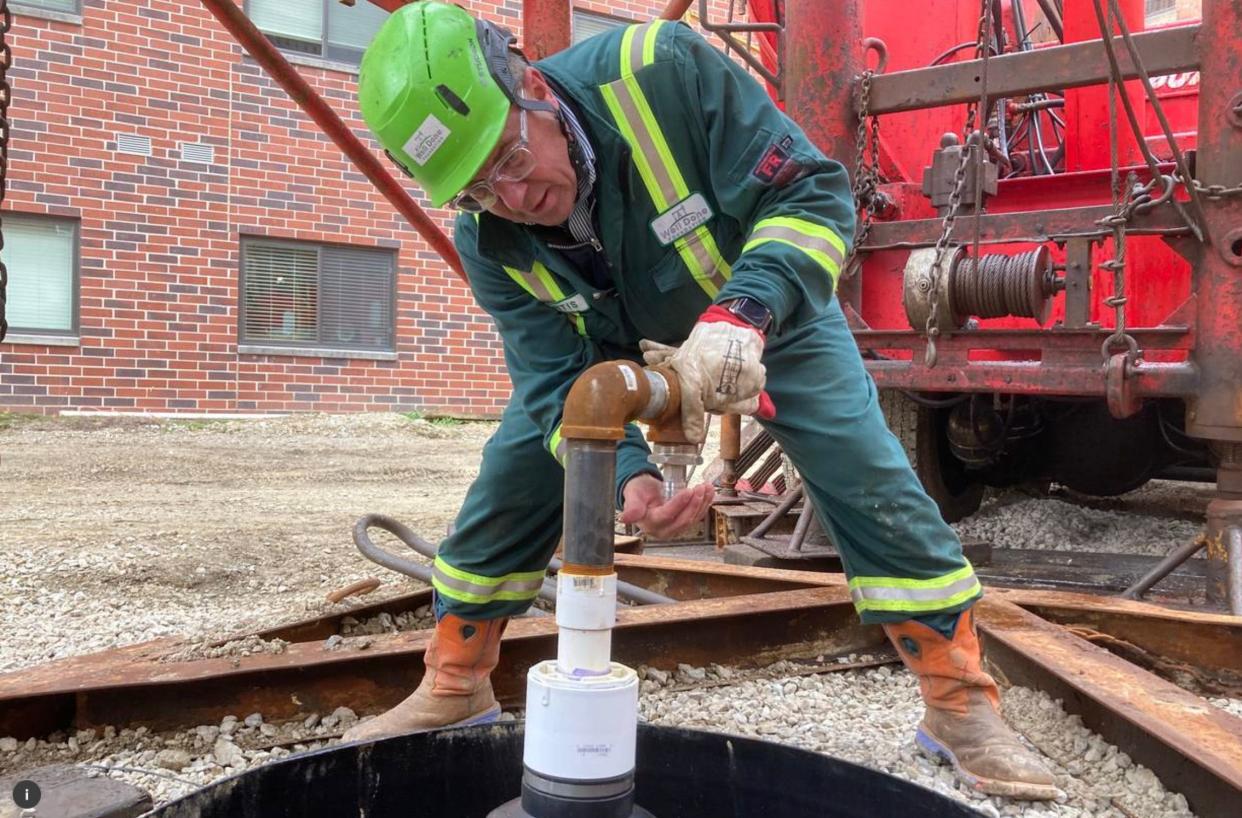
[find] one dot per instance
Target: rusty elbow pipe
(609, 395)
(601, 402)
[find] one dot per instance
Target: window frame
(320, 60)
(319, 347)
(576, 10)
(75, 284)
(32, 9)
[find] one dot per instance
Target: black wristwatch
(750, 311)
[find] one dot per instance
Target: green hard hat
(432, 93)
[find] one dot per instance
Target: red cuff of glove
(717, 314)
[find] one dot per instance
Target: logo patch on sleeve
(774, 160)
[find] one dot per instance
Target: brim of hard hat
(473, 156)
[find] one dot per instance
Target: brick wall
(159, 238)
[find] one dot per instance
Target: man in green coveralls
(640, 193)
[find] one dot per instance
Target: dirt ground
(117, 530)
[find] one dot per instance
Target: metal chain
(1215, 192)
(6, 60)
(866, 172)
(1126, 205)
(970, 143)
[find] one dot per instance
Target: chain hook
(880, 48)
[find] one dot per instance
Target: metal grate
(198, 152)
(134, 144)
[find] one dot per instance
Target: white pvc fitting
(581, 728)
(586, 611)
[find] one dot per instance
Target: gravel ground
(864, 716)
(119, 530)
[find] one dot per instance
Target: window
(42, 259)
(1161, 11)
(320, 28)
(66, 6)
(588, 24)
(305, 295)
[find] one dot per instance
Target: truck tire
(922, 434)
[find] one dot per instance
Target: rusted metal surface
(1210, 640)
(547, 27)
(359, 588)
(1194, 748)
(1029, 378)
(1018, 74)
(1035, 226)
(1216, 412)
(132, 686)
(234, 19)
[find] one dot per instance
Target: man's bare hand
(659, 518)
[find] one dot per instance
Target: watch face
(752, 312)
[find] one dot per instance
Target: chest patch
(682, 218)
(575, 303)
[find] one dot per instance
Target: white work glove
(719, 370)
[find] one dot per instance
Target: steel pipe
(232, 17)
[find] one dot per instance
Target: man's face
(547, 195)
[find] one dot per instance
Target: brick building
(181, 238)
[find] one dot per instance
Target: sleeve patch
(776, 166)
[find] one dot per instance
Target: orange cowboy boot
(963, 723)
(456, 688)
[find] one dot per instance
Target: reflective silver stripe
(653, 156)
(813, 243)
(525, 587)
(897, 593)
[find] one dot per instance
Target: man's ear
(536, 87)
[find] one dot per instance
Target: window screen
(324, 28)
(41, 256)
(321, 296)
(588, 24)
(1161, 8)
(70, 6)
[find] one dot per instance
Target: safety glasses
(516, 164)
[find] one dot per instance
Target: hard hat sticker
(426, 140)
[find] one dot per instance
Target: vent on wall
(132, 143)
(198, 152)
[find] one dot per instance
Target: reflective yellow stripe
(906, 595)
(557, 446)
(467, 587)
(819, 242)
(540, 284)
(653, 157)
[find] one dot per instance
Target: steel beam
(1152, 380)
(1216, 413)
(1036, 226)
(133, 686)
(1194, 748)
(547, 27)
(1013, 75)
